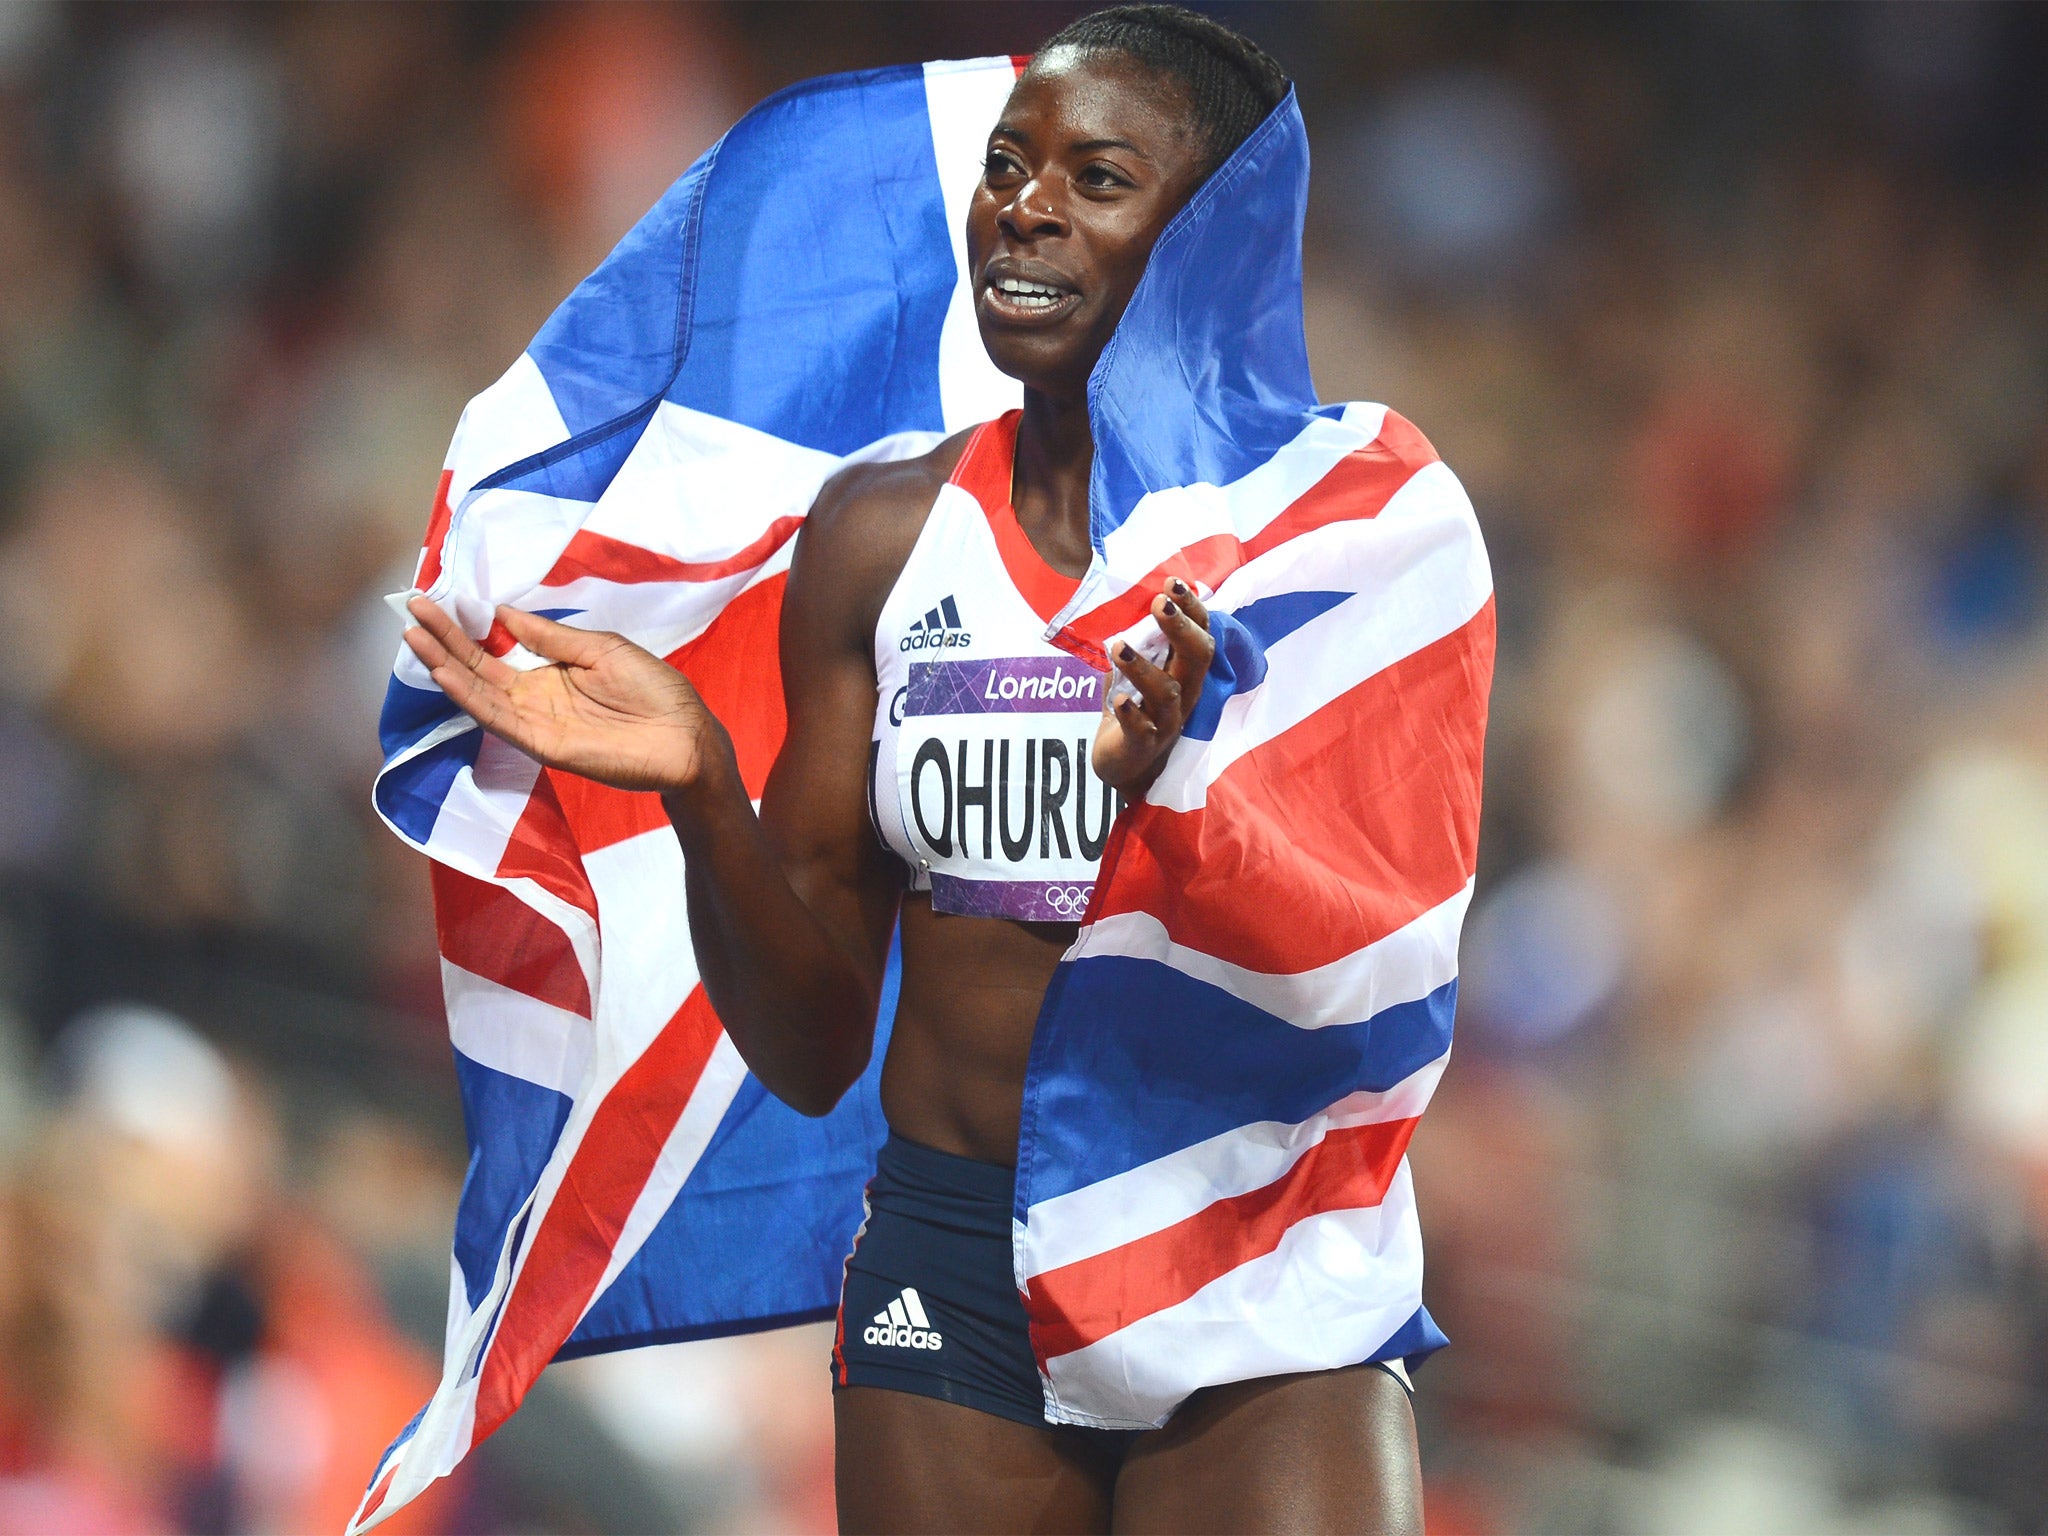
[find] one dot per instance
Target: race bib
(998, 798)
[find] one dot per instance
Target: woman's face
(1093, 156)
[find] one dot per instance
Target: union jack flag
(1212, 1182)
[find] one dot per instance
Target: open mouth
(1022, 298)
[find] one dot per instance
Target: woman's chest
(979, 773)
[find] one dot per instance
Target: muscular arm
(790, 910)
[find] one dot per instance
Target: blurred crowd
(1733, 319)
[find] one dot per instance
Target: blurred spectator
(189, 1348)
(1455, 178)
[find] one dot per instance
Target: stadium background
(1733, 318)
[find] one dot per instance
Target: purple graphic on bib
(1024, 901)
(1038, 685)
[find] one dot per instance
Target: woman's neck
(1049, 485)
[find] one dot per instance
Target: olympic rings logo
(1067, 900)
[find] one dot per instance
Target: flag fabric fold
(1212, 1181)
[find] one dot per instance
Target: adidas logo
(902, 1324)
(938, 630)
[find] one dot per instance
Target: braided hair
(1232, 83)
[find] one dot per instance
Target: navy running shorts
(930, 1304)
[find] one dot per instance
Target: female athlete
(966, 552)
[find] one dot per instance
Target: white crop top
(978, 775)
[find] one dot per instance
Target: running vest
(978, 775)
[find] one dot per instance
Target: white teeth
(1029, 295)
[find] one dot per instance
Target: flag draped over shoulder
(1211, 1180)
(796, 300)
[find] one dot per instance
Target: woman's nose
(1033, 214)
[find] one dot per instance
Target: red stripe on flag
(1331, 835)
(543, 849)
(491, 933)
(598, 815)
(437, 534)
(574, 1242)
(498, 639)
(374, 1501)
(1357, 486)
(610, 559)
(736, 666)
(1073, 1306)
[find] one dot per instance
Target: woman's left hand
(1138, 730)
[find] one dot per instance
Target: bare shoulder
(859, 533)
(870, 505)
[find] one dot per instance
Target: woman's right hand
(605, 709)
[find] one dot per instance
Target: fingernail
(1126, 655)
(1181, 587)
(1171, 611)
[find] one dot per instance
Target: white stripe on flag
(963, 100)
(1166, 521)
(724, 1072)
(649, 966)
(513, 1033)
(1301, 1307)
(657, 615)
(701, 489)
(697, 487)
(527, 533)
(1417, 573)
(1409, 963)
(458, 1315)
(1153, 1196)
(649, 969)
(512, 420)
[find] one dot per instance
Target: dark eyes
(1098, 177)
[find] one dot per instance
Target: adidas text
(939, 630)
(926, 640)
(903, 1325)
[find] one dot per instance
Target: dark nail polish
(1128, 656)
(1171, 611)
(1181, 587)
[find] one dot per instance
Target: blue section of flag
(611, 346)
(1417, 1337)
(1112, 1089)
(760, 1231)
(409, 714)
(513, 1125)
(1241, 640)
(822, 281)
(791, 291)
(579, 469)
(410, 793)
(1207, 375)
